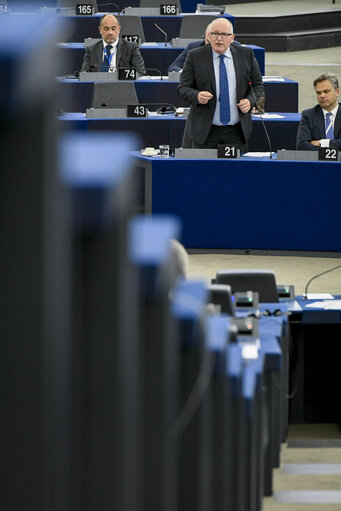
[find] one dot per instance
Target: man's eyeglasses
(223, 35)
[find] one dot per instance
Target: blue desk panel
(155, 56)
(250, 203)
(167, 129)
(75, 96)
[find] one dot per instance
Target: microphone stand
(157, 26)
(263, 123)
(316, 276)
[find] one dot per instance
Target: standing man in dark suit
(112, 52)
(320, 126)
(216, 82)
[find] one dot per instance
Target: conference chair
(194, 26)
(130, 26)
(157, 3)
(221, 295)
(115, 94)
(262, 281)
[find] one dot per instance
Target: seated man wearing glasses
(216, 82)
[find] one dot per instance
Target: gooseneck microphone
(316, 276)
(263, 123)
(165, 34)
(72, 76)
(114, 5)
(154, 69)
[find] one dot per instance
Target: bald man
(112, 52)
(220, 105)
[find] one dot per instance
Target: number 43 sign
(136, 111)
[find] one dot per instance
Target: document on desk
(326, 305)
(265, 154)
(152, 77)
(295, 307)
(269, 116)
(273, 79)
(143, 45)
(319, 296)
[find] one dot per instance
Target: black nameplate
(168, 10)
(227, 151)
(83, 9)
(127, 74)
(136, 111)
(131, 38)
(328, 154)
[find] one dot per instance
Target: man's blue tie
(329, 126)
(106, 60)
(224, 93)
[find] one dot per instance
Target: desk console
(106, 113)
(284, 154)
(199, 154)
(85, 76)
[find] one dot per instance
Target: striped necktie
(329, 126)
(224, 97)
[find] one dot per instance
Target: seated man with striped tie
(112, 52)
(222, 83)
(320, 126)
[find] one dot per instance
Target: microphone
(111, 3)
(263, 123)
(154, 69)
(157, 26)
(319, 275)
(73, 75)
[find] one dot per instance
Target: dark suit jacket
(128, 56)
(312, 127)
(198, 75)
(179, 62)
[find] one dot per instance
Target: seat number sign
(83, 9)
(136, 111)
(227, 151)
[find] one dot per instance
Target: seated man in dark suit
(112, 52)
(179, 62)
(320, 126)
(216, 82)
